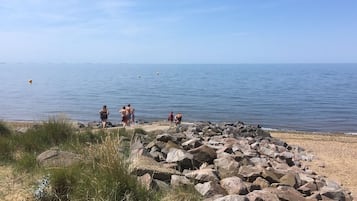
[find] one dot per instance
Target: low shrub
(105, 176)
(140, 131)
(63, 182)
(4, 129)
(51, 133)
(6, 149)
(89, 137)
(26, 162)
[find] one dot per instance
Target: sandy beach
(334, 157)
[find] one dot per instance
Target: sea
(297, 97)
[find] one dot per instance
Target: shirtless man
(178, 118)
(122, 112)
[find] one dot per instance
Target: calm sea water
(308, 97)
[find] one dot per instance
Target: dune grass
(4, 129)
(103, 173)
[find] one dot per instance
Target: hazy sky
(178, 31)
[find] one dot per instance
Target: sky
(178, 31)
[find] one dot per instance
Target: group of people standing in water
(127, 115)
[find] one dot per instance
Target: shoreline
(27, 123)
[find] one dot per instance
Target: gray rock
(262, 195)
(203, 154)
(271, 175)
(249, 173)
(165, 137)
(158, 156)
(56, 158)
(234, 185)
(290, 179)
(305, 178)
(184, 159)
(335, 194)
(160, 185)
(141, 165)
(261, 182)
(232, 198)
(146, 181)
(308, 188)
(226, 166)
(177, 180)
(192, 143)
(203, 175)
(267, 152)
(209, 189)
(259, 161)
(287, 193)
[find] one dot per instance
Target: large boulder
(57, 158)
(203, 154)
(141, 165)
(181, 157)
(249, 173)
(209, 189)
(203, 175)
(234, 185)
(226, 166)
(262, 195)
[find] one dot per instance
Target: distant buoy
(30, 81)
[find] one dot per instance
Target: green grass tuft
(26, 163)
(105, 176)
(4, 129)
(6, 149)
(46, 135)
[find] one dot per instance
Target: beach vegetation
(53, 132)
(26, 162)
(6, 150)
(4, 129)
(103, 173)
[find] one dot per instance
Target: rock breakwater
(230, 161)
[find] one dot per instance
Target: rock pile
(230, 162)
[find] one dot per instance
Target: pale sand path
(14, 187)
(335, 155)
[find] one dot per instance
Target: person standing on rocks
(131, 113)
(123, 114)
(178, 118)
(170, 118)
(104, 113)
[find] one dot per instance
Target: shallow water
(307, 97)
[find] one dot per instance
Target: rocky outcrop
(232, 161)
